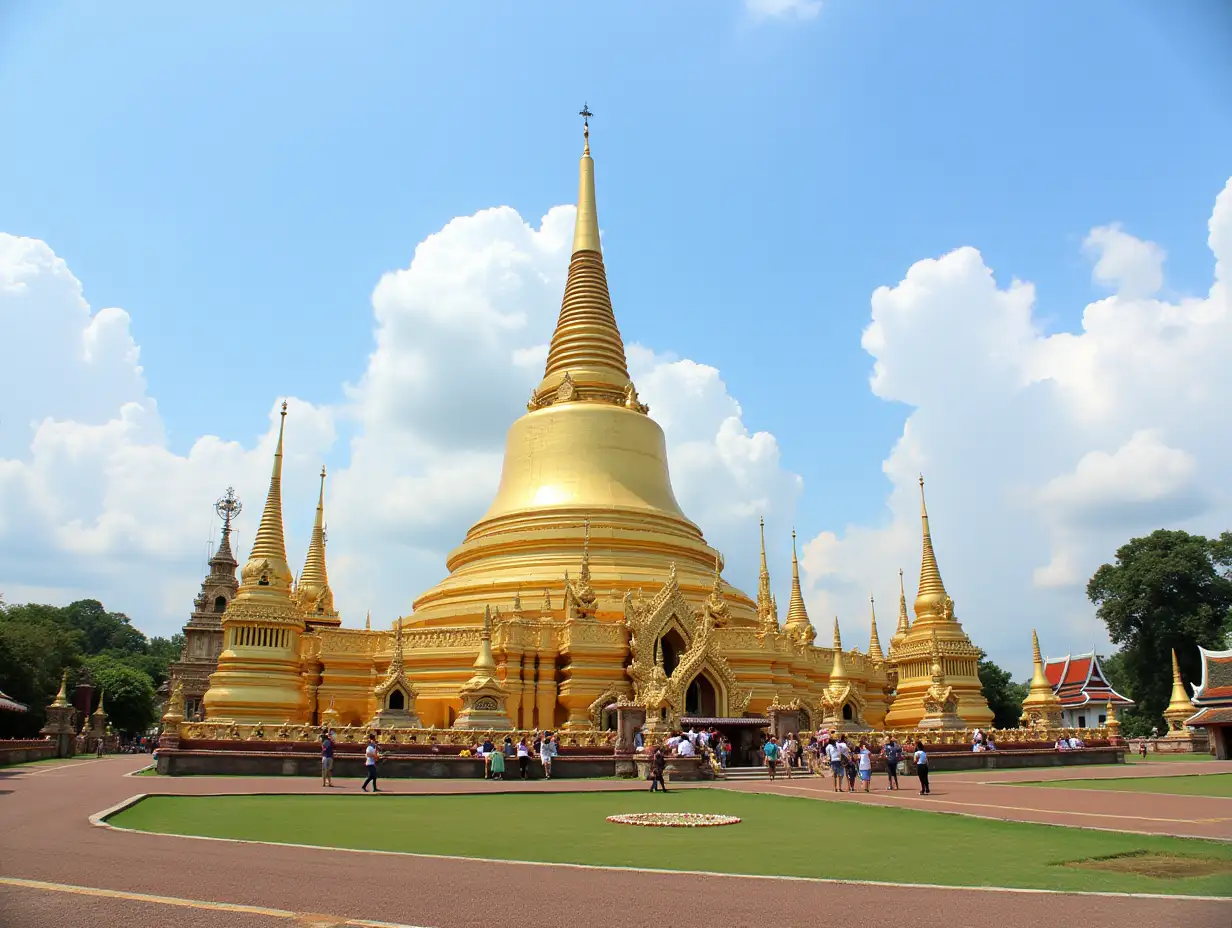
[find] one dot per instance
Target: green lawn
(1206, 784)
(1153, 758)
(778, 835)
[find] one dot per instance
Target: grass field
(1208, 784)
(779, 835)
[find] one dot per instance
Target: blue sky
(238, 176)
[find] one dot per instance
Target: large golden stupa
(584, 585)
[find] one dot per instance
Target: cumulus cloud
(783, 9)
(93, 503)
(1044, 452)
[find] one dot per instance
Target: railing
(350, 734)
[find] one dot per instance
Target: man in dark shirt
(327, 759)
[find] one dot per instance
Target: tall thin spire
(267, 560)
(839, 670)
(1039, 680)
(767, 612)
(586, 345)
(61, 699)
(1180, 707)
(931, 596)
(368, 621)
(485, 660)
(904, 623)
(874, 643)
(797, 616)
(1041, 704)
(315, 595)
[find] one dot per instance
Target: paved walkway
(58, 870)
(992, 794)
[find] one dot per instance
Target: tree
(35, 647)
(1169, 590)
(1134, 724)
(128, 694)
(1003, 694)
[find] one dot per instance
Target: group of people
(845, 762)
(544, 745)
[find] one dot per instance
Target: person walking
(371, 756)
(497, 764)
(327, 759)
(866, 765)
(523, 757)
(921, 767)
(771, 751)
(789, 753)
(892, 751)
(547, 750)
(658, 762)
(835, 758)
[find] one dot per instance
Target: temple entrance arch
(672, 645)
(702, 697)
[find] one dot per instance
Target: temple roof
(1216, 686)
(12, 705)
(1078, 680)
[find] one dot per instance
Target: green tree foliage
(1168, 590)
(128, 693)
(1134, 724)
(1003, 694)
(38, 642)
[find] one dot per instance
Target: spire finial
(61, 699)
(368, 621)
(228, 506)
(585, 113)
(838, 670)
(765, 601)
(485, 661)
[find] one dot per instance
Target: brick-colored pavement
(46, 836)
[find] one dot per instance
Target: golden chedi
(583, 585)
(258, 676)
(1042, 707)
(914, 656)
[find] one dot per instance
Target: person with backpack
(892, 751)
(771, 751)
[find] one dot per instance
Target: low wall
(351, 764)
(19, 752)
(1008, 760)
(1197, 743)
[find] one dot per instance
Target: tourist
(989, 744)
(685, 748)
(849, 767)
(835, 757)
(921, 767)
(507, 748)
(371, 756)
(658, 762)
(1062, 744)
(892, 751)
(327, 759)
(523, 757)
(547, 750)
(789, 753)
(725, 750)
(639, 740)
(866, 765)
(771, 752)
(497, 765)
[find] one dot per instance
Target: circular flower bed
(674, 819)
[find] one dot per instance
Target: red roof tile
(1054, 670)
(1211, 716)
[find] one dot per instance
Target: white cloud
(783, 9)
(1043, 452)
(92, 502)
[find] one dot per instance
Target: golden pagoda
(634, 611)
(1042, 706)
(258, 676)
(914, 657)
(1180, 707)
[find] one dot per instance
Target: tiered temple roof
(1213, 696)
(1078, 680)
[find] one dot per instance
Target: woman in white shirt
(921, 767)
(546, 752)
(866, 765)
(523, 757)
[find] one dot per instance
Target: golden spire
(368, 621)
(931, 597)
(904, 623)
(839, 669)
(315, 595)
(267, 560)
(797, 615)
(874, 643)
(485, 660)
(586, 346)
(767, 612)
(1179, 706)
(61, 699)
(1041, 705)
(101, 695)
